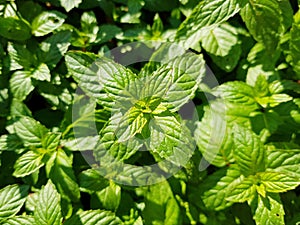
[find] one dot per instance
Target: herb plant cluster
(233, 158)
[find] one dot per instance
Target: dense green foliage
(239, 148)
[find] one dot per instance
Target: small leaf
(51, 141)
(28, 163)
(21, 85)
(42, 73)
(47, 22)
(70, 4)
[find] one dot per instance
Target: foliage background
(252, 47)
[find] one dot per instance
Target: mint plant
(149, 112)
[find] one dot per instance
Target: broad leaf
(60, 171)
(12, 198)
(161, 206)
(213, 136)
(94, 217)
(217, 186)
(17, 220)
(278, 182)
(284, 159)
(242, 191)
(48, 210)
(205, 14)
(237, 92)
(109, 198)
(249, 152)
(268, 210)
(30, 131)
(263, 19)
(14, 28)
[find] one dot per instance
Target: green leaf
(109, 197)
(249, 152)
(4, 101)
(242, 191)
(21, 85)
(171, 139)
(267, 120)
(28, 163)
(14, 28)
(263, 19)
(107, 32)
(237, 92)
(30, 131)
(81, 67)
(54, 48)
(48, 210)
(278, 182)
(187, 72)
(161, 206)
(110, 149)
(205, 14)
(284, 159)
(294, 43)
(17, 220)
(220, 40)
(19, 109)
(20, 57)
(223, 46)
(268, 210)
(94, 217)
(70, 4)
(261, 86)
(217, 186)
(47, 22)
(42, 73)
(60, 171)
(12, 198)
(91, 181)
(213, 137)
(51, 141)
(10, 142)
